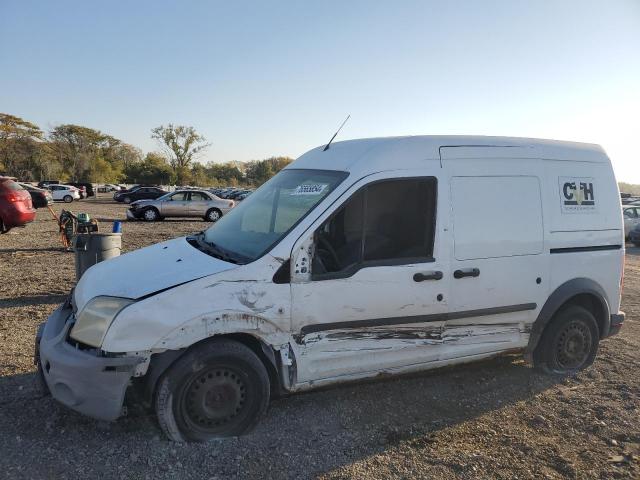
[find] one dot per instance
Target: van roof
(386, 153)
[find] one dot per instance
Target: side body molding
(562, 294)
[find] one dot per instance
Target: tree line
(76, 153)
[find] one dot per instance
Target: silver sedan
(181, 203)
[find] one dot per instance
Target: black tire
(213, 215)
(151, 214)
(569, 343)
(2, 227)
(217, 389)
(126, 199)
(67, 199)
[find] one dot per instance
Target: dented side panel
(241, 300)
(374, 292)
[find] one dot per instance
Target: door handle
(467, 272)
(421, 277)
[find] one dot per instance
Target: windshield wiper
(214, 250)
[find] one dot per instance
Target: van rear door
(498, 265)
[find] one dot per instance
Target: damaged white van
(375, 256)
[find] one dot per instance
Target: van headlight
(95, 319)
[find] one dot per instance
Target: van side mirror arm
(301, 260)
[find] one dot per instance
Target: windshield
(166, 196)
(252, 228)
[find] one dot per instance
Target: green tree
(226, 173)
(259, 171)
(20, 146)
(153, 169)
(76, 147)
(182, 144)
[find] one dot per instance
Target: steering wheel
(325, 246)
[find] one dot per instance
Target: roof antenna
(335, 134)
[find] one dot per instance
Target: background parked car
(16, 208)
(138, 193)
(237, 194)
(123, 190)
(108, 187)
(242, 196)
(183, 203)
(66, 193)
(44, 183)
(40, 197)
(81, 190)
(88, 188)
(631, 217)
(634, 235)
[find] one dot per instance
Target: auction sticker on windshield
(310, 189)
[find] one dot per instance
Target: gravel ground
(495, 419)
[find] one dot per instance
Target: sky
(259, 79)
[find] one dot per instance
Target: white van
(376, 256)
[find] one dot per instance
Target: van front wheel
(569, 343)
(218, 389)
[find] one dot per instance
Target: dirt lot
(497, 419)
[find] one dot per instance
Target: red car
(16, 208)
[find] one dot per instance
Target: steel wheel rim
(150, 215)
(573, 345)
(213, 399)
(214, 215)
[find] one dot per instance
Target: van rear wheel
(218, 389)
(569, 343)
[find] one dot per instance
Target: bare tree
(182, 144)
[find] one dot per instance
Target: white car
(361, 259)
(65, 193)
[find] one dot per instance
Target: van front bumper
(80, 379)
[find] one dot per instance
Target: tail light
(13, 197)
(16, 197)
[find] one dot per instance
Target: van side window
(388, 222)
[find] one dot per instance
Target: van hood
(146, 271)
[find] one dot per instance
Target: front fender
(230, 302)
(222, 323)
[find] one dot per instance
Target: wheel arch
(578, 291)
(159, 363)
